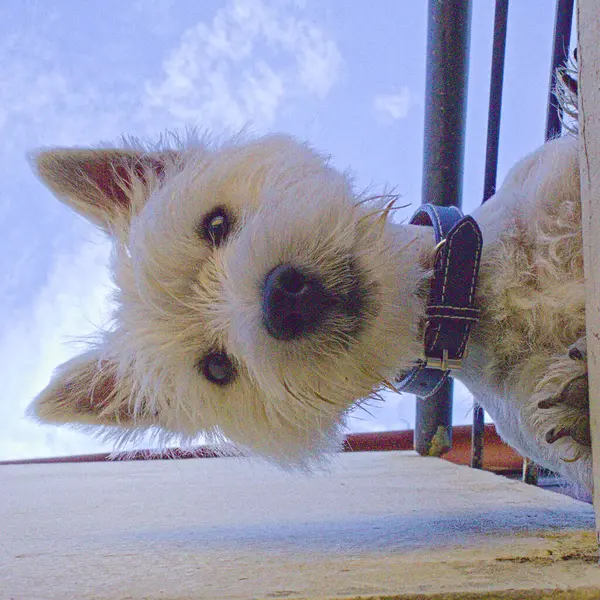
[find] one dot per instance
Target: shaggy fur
(181, 297)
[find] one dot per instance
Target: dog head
(258, 297)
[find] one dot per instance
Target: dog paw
(564, 399)
(578, 350)
(573, 403)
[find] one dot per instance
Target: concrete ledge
(377, 525)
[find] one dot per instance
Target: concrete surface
(376, 525)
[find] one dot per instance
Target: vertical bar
(588, 19)
(560, 53)
(433, 422)
(530, 472)
(448, 36)
(491, 171)
(495, 105)
(477, 437)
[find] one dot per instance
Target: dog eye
(217, 368)
(215, 226)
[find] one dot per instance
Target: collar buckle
(445, 363)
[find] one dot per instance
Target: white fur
(179, 297)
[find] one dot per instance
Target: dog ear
(97, 183)
(84, 391)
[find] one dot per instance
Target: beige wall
(588, 16)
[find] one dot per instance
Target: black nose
(294, 303)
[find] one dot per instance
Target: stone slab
(374, 525)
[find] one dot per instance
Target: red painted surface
(497, 456)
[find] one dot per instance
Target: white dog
(259, 297)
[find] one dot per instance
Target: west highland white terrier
(259, 297)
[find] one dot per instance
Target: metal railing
(444, 149)
(448, 37)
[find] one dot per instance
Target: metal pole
(491, 170)
(560, 54)
(448, 36)
(495, 106)
(477, 437)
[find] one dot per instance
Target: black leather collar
(451, 311)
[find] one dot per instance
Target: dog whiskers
(301, 399)
(379, 218)
(383, 210)
(389, 385)
(376, 197)
(362, 407)
(376, 396)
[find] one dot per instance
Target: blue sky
(346, 76)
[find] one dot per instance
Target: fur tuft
(566, 92)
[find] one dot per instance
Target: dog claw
(579, 433)
(549, 403)
(553, 435)
(578, 350)
(574, 395)
(574, 422)
(576, 354)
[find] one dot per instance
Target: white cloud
(243, 65)
(42, 102)
(70, 305)
(394, 106)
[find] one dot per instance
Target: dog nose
(294, 303)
